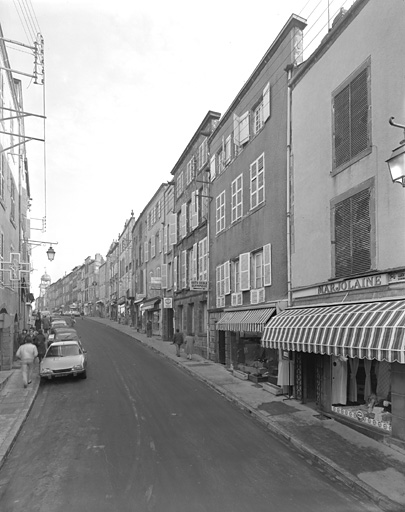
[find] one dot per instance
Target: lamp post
(50, 252)
(396, 162)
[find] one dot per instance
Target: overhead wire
(286, 60)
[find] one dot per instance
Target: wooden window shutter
(267, 265)
(194, 209)
(146, 250)
(183, 220)
(165, 234)
(266, 102)
(175, 274)
(227, 278)
(236, 138)
(359, 113)
(172, 229)
(353, 235)
(244, 128)
(194, 272)
(244, 271)
(213, 166)
(351, 119)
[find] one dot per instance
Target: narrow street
(140, 435)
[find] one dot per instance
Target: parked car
(64, 358)
(62, 334)
(58, 323)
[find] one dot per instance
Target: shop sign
(167, 302)
(353, 284)
(199, 285)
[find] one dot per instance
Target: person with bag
(178, 340)
(27, 353)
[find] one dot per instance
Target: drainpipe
(289, 173)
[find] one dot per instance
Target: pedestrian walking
(21, 337)
(149, 329)
(178, 340)
(72, 321)
(46, 324)
(189, 345)
(38, 322)
(41, 344)
(27, 354)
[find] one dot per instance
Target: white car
(64, 358)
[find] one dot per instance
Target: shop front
(150, 310)
(349, 360)
(239, 335)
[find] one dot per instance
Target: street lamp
(50, 253)
(396, 162)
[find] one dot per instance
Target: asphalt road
(141, 434)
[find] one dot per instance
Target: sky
(127, 84)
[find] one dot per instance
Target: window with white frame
(179, 184)
(236, 198)
(220, 212)
(190, 171)
(257, 182)
(203, 259)
(202, 154)
(262, 111)
(257, 270)
(235, 276)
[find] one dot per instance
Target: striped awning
(372, 330)
(250, 320)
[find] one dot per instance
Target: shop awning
(149, 304)
(372, 330)
(250, 320)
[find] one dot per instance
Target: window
(351, 128)
(243, 129)
(352, 229)
(257, 182)
(220, 212)
(257, 270)
(179, 184)
(262, 112)
(202, 154)
(258, 118)
(190, 171)
(221, 160)
(236, 199)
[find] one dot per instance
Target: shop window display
(261, 364)
(361, 390)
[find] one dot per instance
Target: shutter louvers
(359, 113)
(353, 235)
(342, 127)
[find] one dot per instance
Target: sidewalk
(355, 459)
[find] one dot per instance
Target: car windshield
(63, 350)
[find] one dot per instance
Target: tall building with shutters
(345, 330)
(248, 186)
(147, 262)
(187, 237)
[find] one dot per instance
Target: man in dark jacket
(178, 340)
(40, 343)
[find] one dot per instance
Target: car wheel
(83, 375)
